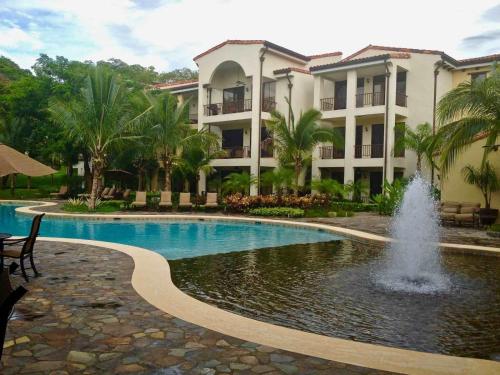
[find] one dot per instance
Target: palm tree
(329, 186)
(356, 189)
(100, 118)
(484, 178)
(470, 110)
(278, 178)
(238, 183)
(420, 141)
(295, 141)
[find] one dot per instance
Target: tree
(485, 178)
(238, 183)
(420, 141)
(466, 112)
(356, 189)
(295, 141)
(178, 75)
(329, 187)
(278, 178)
(100, 117)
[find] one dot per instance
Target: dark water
(331, 288)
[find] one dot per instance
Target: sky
(167, 34)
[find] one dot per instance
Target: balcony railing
(330, 104)
(235, 106)
(368, 151)
(370, 98)
(401, 99)
(330, 152)
(237, 152)
(268, 104)
(193, 118)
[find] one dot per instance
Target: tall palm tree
(238, 183)
(420, 141)
(295, 141)
(100, 118)
(279, 178)
(466, 112)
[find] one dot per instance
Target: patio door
(233, 99)
(232, 142)
(375, 183)
(340, 95)
(378, 90)
(377, 140)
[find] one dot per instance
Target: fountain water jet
(413, 261)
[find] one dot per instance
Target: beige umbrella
(12, 161)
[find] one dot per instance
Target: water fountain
(413, 259)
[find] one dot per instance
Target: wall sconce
(246, 131)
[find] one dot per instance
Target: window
(478, 77)
(360, 92)
(268, 96)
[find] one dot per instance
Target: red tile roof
(480, 60)
(393, 49)
(291, 69)
(177, 84)
(328, 54)
(360, 60)
(256, 41)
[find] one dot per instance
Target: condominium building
(363, 95)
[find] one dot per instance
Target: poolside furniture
(185, 200)
(448, 210)
(22, 248)
(63, 192)
(211, 200)
(165, 199)
(140, 200)
(468, 214)
(104, 192)
(8, 298)
(126, 194)
(110, 195)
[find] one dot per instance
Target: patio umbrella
(12, 161)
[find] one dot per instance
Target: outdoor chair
(165, 199)
(468, 214)
(104, 192)
(126, 194)
(185, 200)
(8, 298)
(22, 248)
(110, 195)
(211, 200)
(448, 211)
(140, 200)
(62, 193)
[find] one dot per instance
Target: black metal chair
(8, 298)
(26, 250)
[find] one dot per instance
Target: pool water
(172, 239)
(331, 288)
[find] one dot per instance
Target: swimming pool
(172, 239)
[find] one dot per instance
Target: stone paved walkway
(83, 316)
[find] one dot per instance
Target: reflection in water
(330, 288)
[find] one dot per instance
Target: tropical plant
(420, 141)
(99, 118)
(485, 178)
(238, 183)
(330, 187)
(277, 211)
(278, 178)
(356, 189)
(295, 141)
(389, 200)
(468, 111)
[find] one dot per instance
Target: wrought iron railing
(331, 152)
(401, 99)
(235, 106)
(368, 151)
(268, 104)
(370, 98)
(237, 152)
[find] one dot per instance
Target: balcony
(368, 151)
(370, 99)
(268, 104)
(236, 106)
(330, 104)
(237, 152)
(401, 99)
(330, 152)
(193, 118)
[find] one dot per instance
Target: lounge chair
(140, 200)
(104, 192)
(469, 213)
(211, 200)
(62, 193)
(26, 250)
(126, 194)
(110, 195)
(185, 200)
(165, 199)
(8, 298)
(448, 211)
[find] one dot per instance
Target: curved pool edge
(152, 281)
(346, 232)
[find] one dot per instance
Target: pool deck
(83, 316)
(151, 283)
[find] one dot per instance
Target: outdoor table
(3, 236)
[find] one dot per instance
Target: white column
(350, 126)
(391, 122)
(255, 132)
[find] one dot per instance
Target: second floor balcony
(369, 151)
(331, 152)
(236, 152)
(236, 106)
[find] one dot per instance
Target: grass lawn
(108, 206)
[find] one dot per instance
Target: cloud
(124, 35)
(492, 14)
(488, 39)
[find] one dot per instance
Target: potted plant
(487, 181)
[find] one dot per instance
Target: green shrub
(388, 201)
(494, 228)
(277, 211)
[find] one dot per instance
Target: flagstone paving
(83, 316)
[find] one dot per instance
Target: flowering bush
(277, 211)
(243, 203)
